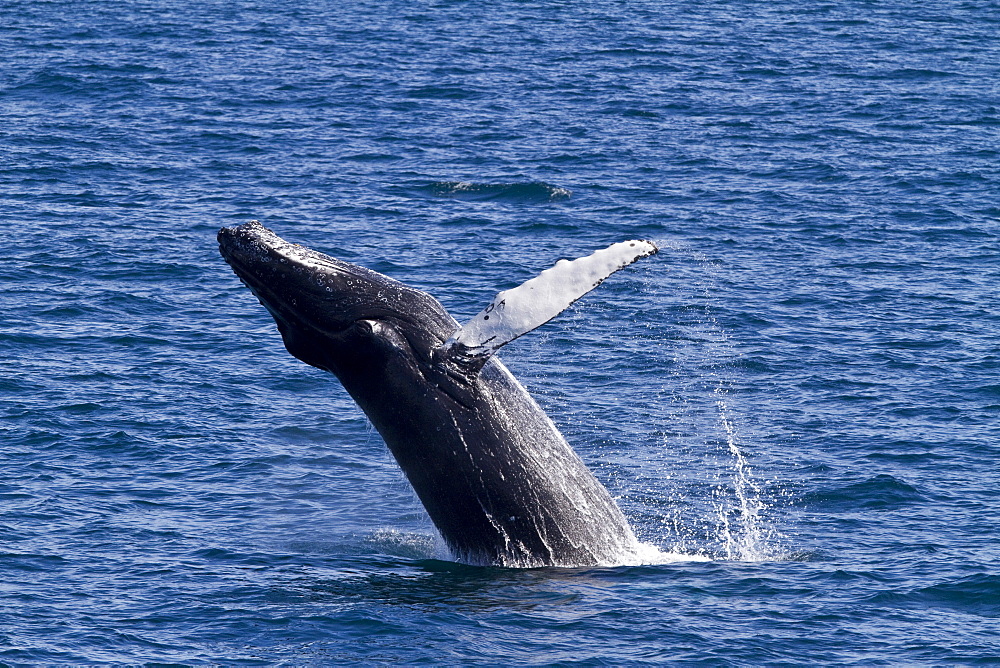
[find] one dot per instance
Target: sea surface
(796, 402)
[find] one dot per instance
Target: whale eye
(366, 326)
(381, 334)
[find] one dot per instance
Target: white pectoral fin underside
(533, 303)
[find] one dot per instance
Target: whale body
(496, 477)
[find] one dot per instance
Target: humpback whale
(496, 477)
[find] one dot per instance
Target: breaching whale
(497, 478)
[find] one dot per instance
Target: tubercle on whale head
(294, 280)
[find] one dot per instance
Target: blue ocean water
(797, 399)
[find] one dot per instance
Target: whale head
(332, 314)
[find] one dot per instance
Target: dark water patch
(808, 170)
(443, 93)
(518, 193)
(126, 68)
(15, 385)
(77, 409)
(974, 595)
(936, 413)
(756, 364)
(991, 391)
(118, 441)
(49, 82)
(58, 87)
(917, 74)
(31, 562)
(30, 440)
(373, 157)
(881, 492)
(628, 111)
(903, 457)
(753, 72)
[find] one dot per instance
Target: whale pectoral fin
(533, 303)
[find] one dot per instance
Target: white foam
(648, 554)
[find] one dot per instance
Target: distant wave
(530, 192)
(880, 492)
(977, 594)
